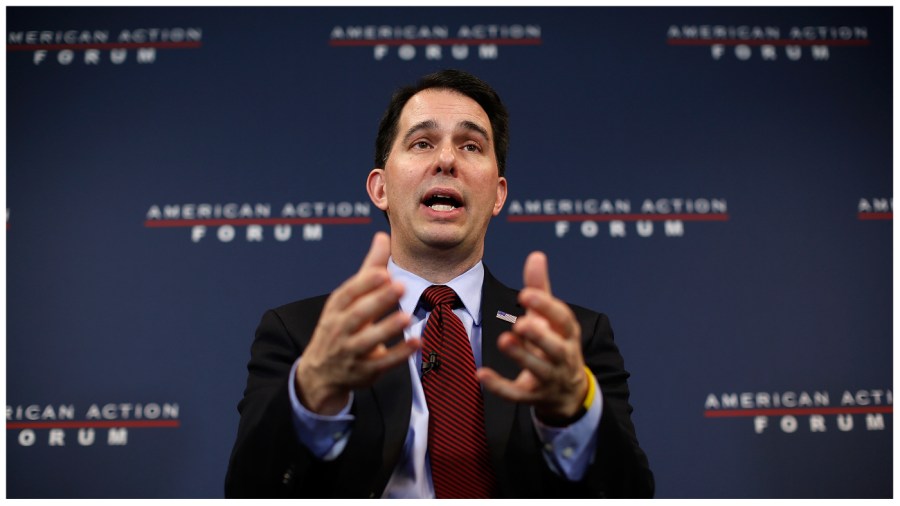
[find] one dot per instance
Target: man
(345, 399)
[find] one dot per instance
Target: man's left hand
(546, 343)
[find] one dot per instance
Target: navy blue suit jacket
(268, 460)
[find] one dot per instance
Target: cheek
(398, 194)
(401, 184)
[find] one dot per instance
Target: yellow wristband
(589, 398)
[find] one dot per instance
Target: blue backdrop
(722, 175)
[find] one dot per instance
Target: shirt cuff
(325, 436)
(570, 450)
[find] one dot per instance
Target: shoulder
(299, 317)
(492, 287)
(590, 319)
(587, 318)
(312, 304)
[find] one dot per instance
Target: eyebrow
(431, 124)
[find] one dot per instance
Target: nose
(446, 160)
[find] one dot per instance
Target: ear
(501, 195)
(375, 186)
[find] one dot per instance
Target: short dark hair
(449, 79)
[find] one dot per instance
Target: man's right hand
(348, 349)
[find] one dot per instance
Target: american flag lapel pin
(506, 317)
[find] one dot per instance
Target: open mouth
(442, 201)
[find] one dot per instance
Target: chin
(442, 241)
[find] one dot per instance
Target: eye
(472, 148)
(421, 145)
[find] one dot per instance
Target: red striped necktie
(457, 445)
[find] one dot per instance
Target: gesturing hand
(348, 349)
(546, 343)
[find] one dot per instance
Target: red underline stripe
(845, 410)
(875, 216)
(95, 424)
(427, 42)
(257, 221)
(617, 217)
(103, 45)
(765, 42)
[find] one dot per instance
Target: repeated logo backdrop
(718, 181)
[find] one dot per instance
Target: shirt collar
(467, 285)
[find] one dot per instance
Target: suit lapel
(498, 413)
(393, 397)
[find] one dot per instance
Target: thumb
(379, 251)
(535, 273)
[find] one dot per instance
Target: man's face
(440, 184)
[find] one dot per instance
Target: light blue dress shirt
(567, 450)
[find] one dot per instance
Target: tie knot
(436, 295)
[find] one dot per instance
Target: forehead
(447, 108)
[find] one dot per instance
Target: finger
(359, 284)
(370, 307)
(379, 332)
(379, 252)
(541, 340)
(535, 274)
(512, 347)
(372, 273)
(391, 357)
(504, 388)
(557, 313)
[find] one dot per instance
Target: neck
(437, 266)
